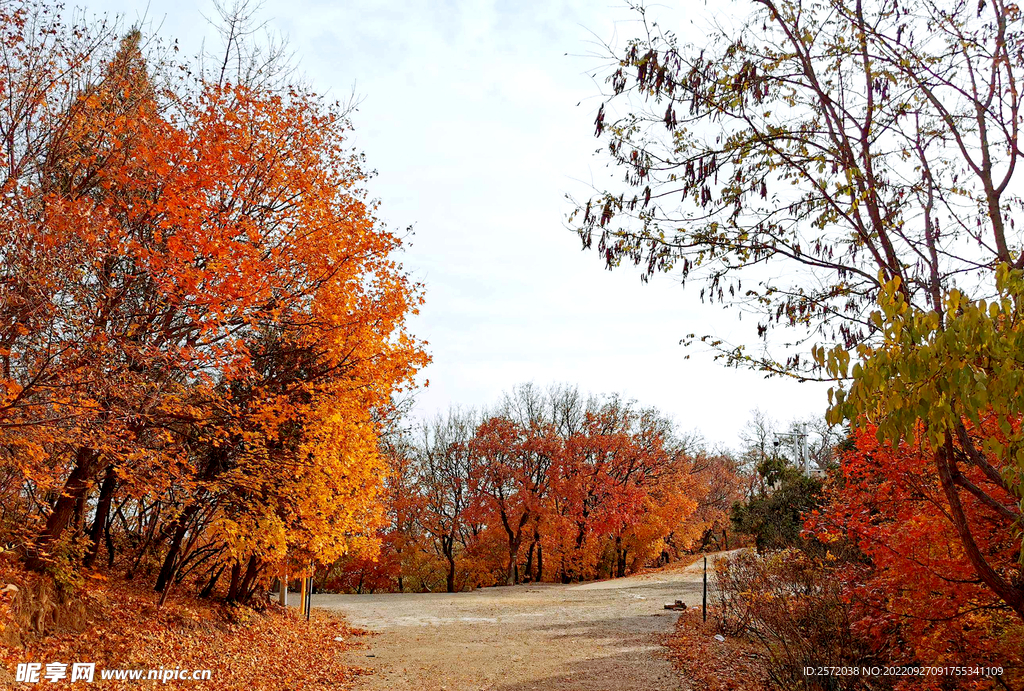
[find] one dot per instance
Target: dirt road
(590, 637)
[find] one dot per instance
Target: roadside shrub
(791, 605)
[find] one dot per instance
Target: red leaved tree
(917, 597)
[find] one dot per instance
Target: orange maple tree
(206, 320)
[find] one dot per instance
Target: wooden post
(704, 604)
(309, 596)
(282, 595)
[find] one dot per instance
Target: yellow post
(302, 597)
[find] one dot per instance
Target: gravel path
(594, 636)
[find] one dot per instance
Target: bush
(790, 604)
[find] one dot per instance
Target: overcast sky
(478, 117)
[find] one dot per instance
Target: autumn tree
(206, 317)
(560, 410)
(602, 478)
(866, 152)
(510, 474)
(916, 599)
(852, 143)
(951, 381)
(717, 483)
(404, 503)
(445, 466)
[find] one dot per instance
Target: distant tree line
(551, 485)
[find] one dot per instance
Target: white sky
(470, 117)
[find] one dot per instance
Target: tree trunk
(181, 526)
(540, 562)
(450, 581)
(64, 510)
(236, 577)
(515, 541)
(448, 547)
(208, 590)
(99, 524)
(1010, 593)
(248, 582)
(510, 578)
(78, 522)
(110, 544)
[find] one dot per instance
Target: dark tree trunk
(448, 547)
(78, 522)
(450, 556)
(181, 526)
(67, 505)
(248, 583)
(515, 542)
(110, 544)
(1011, 593)
(236, 577)
(450, 581)
(99, 524)
(529, 562)
(212, 583)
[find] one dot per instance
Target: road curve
(586, 637)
